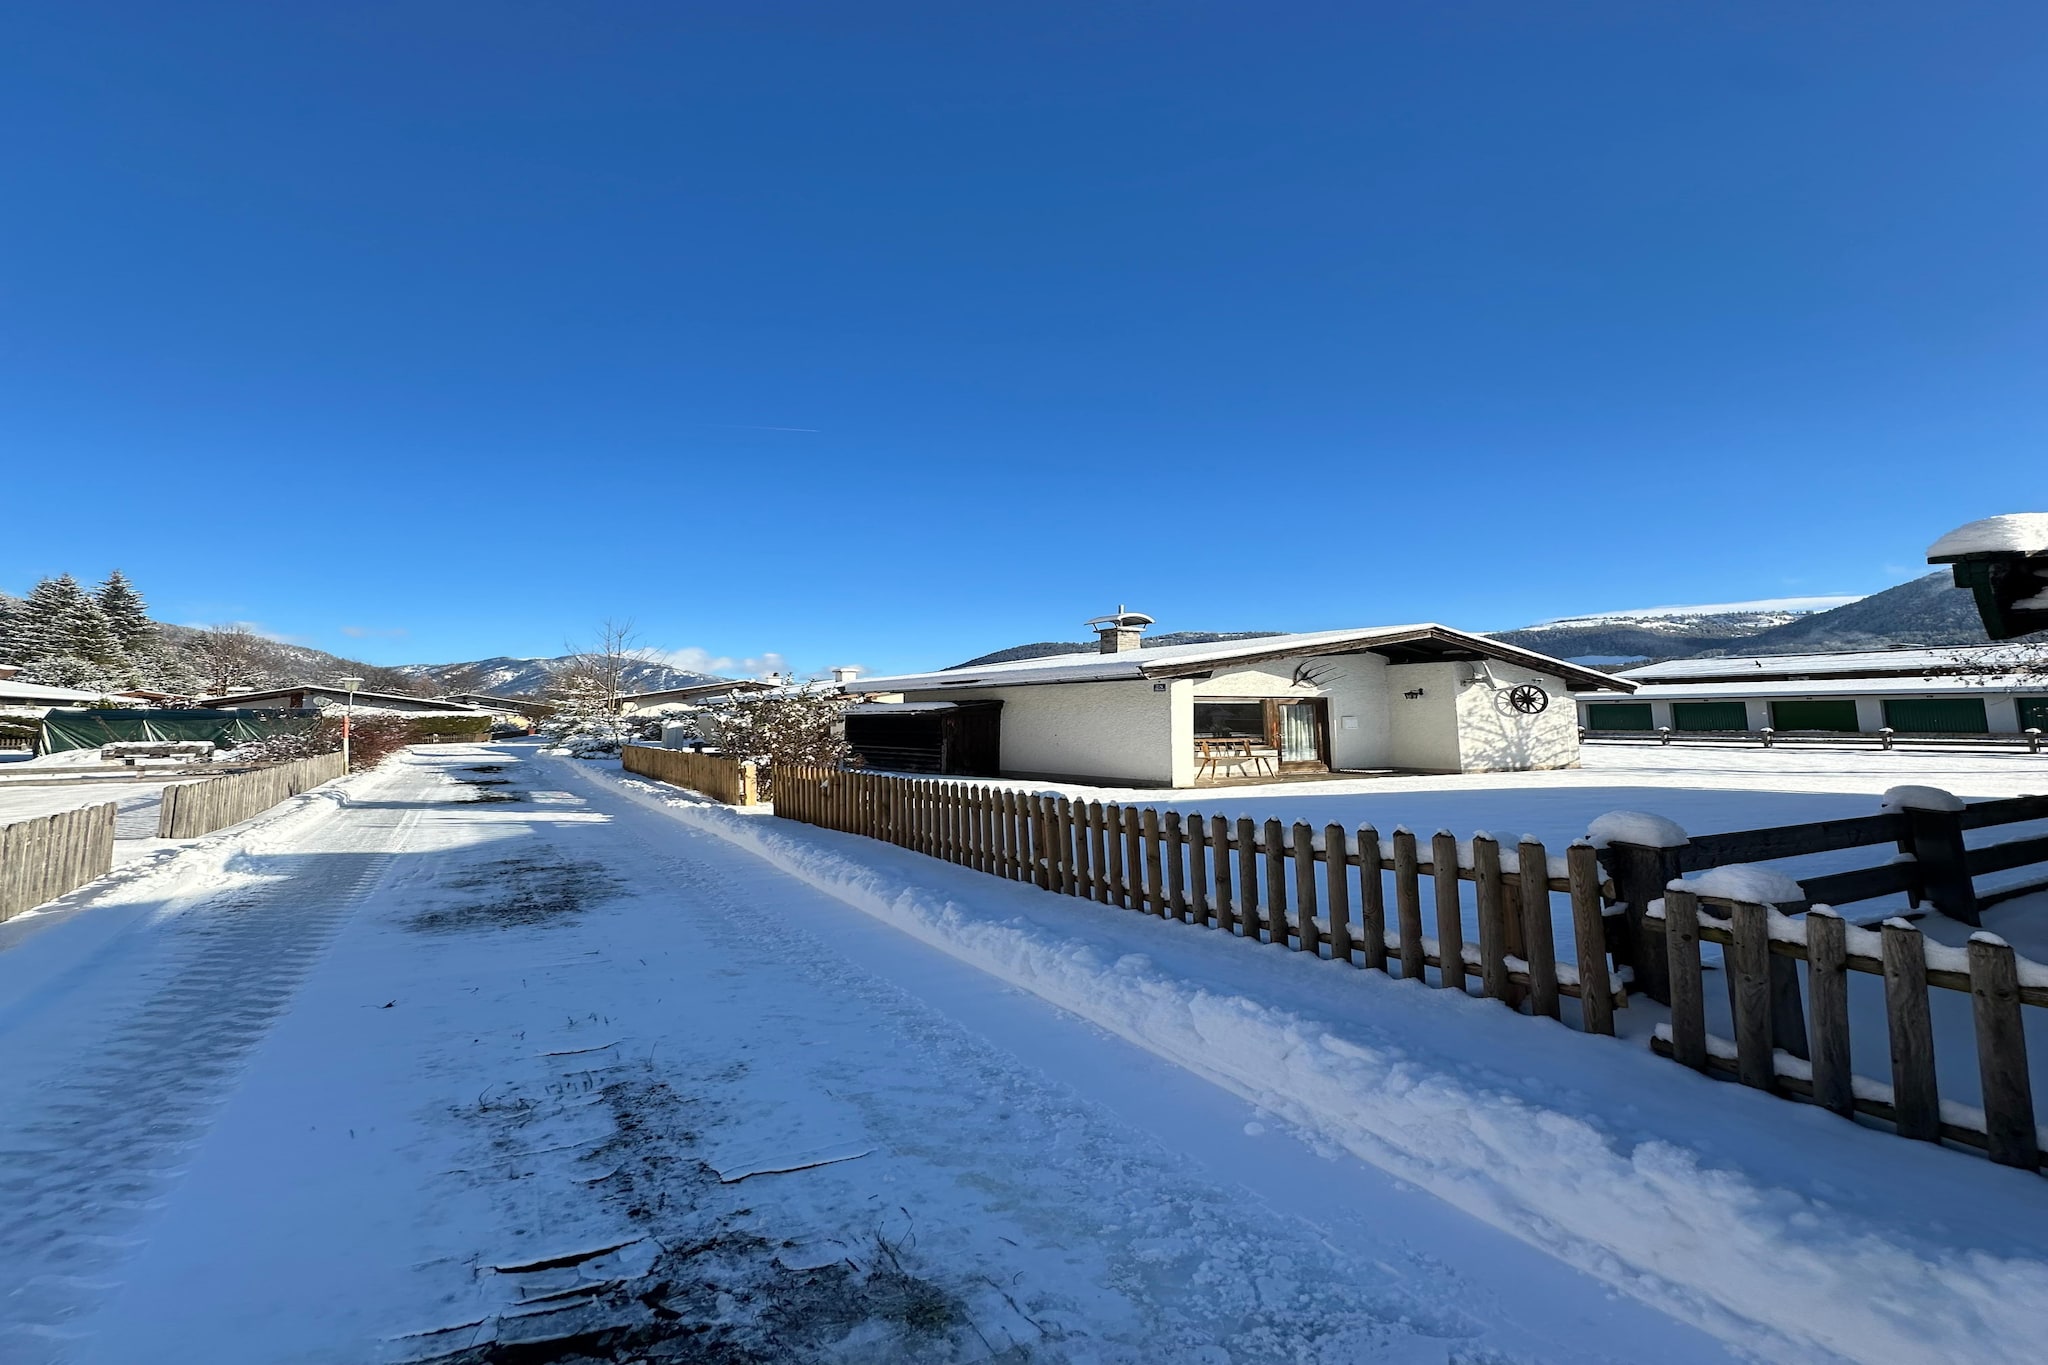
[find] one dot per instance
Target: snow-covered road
(496, 1048)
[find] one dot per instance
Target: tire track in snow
(85, 1166)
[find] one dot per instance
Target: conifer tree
(47, 619)
(127, 615)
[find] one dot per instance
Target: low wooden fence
(194, 808)
(734, 781)
(1237, 879)
(50, 855)
(2030, 739)
(1998, 982)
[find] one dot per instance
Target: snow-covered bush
(789, 725)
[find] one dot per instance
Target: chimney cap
(1120, 618)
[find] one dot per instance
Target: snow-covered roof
(705, 689)
(1169, 661)
(1861, 663)
(2000, 684)
(900, 708)
(13, 693)
(322, 689)
(2024, 533)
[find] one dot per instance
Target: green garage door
(1937, 716)
(1709, 715)
(1614, 715)
(1814, 715)
(2033, 713)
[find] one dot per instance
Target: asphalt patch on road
(518, 891)
(702, 1283)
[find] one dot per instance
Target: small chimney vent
(843, 676)
(1119, 632)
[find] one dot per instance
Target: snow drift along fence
(731, 780)
(1238, 879)
(44, 858)
(194, 808)
(1999, 983)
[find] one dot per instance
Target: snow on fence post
(1450, 919)
(1640, 873)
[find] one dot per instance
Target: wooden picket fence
(1998, 982)
(1236, 879)
(734, 781)
(51, 855)
(191, 809)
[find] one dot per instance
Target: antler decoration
(1308, 674)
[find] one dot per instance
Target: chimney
(845, 676)
(1120, 632)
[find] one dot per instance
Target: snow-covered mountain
(506, 676)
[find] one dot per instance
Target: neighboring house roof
(1853, 663)
(1402, 644)
(486, 699)
(710, 689)
(1993, 684)
(14, 693)
(338, 694)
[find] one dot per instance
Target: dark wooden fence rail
(191, 809)
(51, 855)
(731, 780)
(1238, 879)
(1999, 983)
(1940, 869)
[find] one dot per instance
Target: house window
(1230, 720)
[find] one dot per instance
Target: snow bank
(1621, 1186)
(1918, 798)
(2015, 532)
(1636, 827)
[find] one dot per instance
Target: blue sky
(892, 333)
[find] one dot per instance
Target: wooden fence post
(1827, 973)
(1337, 883)
(1155, 890)
(1134, 858)
(1489, 891)
(1113, 845)
(1916, 1100)
(1539, 940)
(1219, 848)
(2002, 1054)
(1935, 839)
(1450, 919)
(1198, 869)
(1247, 878)
(1276, 884)
(1589, 937)
(1176, 879)
(1372, 899)
(1308, 940)
(1640, 874)
(1749, 983)
(1688, 996)
(1408, 905)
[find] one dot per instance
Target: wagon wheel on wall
(1528, 699)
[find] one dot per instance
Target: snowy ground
(455, 1056)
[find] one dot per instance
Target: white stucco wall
(1423, 731)
(1494, 737)
(1121, 731)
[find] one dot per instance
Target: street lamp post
(348, 715)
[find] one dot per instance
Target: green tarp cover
(90, 729)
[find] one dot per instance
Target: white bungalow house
(323, 697)
(1420, 698)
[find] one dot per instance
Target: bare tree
(230, 658)
(600, 669)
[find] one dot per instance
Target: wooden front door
(1301, 732)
